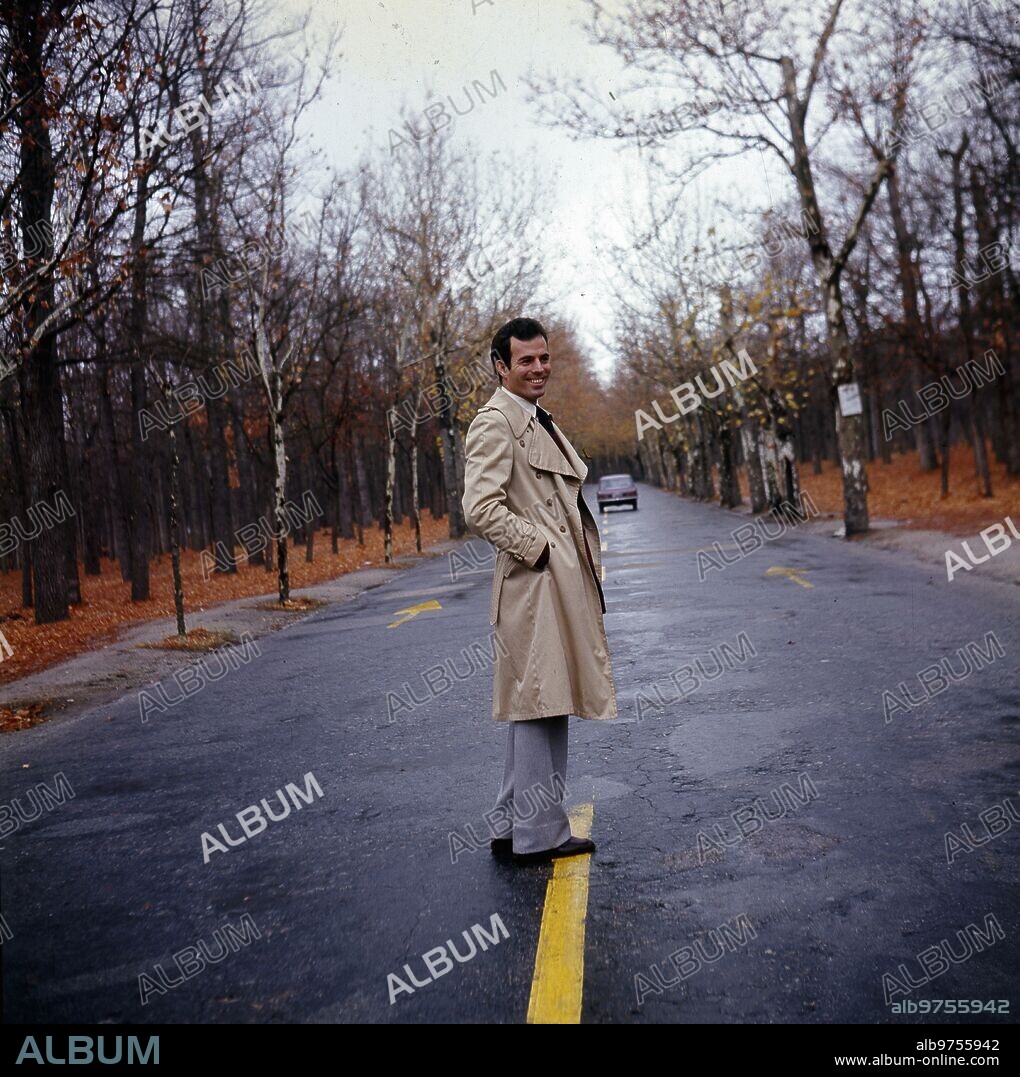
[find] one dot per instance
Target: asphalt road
(849, 881)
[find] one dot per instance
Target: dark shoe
(501, 846)
(571, 847)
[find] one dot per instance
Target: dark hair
(522, 329)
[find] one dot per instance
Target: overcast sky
(414, 51)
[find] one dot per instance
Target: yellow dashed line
(557, 986)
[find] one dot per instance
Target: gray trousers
(534, 778)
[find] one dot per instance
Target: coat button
(538, 475)
(553, 545)
(562, 528)
(521, 442)
(548, 500)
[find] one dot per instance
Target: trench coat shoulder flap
(543, 452)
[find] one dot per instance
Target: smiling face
(529, 368)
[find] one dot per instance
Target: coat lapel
(575, 465)
(543, 452)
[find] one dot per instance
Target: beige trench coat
(552, 656)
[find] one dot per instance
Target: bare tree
(752, 73)
(438, 217)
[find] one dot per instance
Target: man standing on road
(522, 493)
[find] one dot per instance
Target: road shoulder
(102, 676)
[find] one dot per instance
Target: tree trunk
(729, 485)
(138, 509)
(20, 488)
(415, 507)
(200, 536)
(208, 250)
(175, 549)
(996, 333)
(944, 450)
(452, 470)
(967, 320)
(39, 375)
(91, 513)
(343, 494)
(849, 428)
(272, 382)
(915, 340)
(364, 498)
(755, 485)
(280, 489)
(115, 476)
(924, 442)
(391, 475)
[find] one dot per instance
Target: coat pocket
(504, 566)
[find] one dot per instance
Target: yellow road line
(791, 573)
(557, 986)
(413, 611)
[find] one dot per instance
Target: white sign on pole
(850, 399)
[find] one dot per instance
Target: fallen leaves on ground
(106, 599)
(901, 491)
(292, 604)
(198, 639)
(11, 721)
